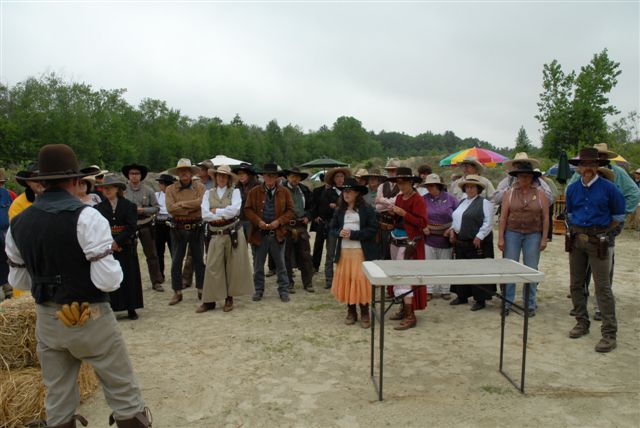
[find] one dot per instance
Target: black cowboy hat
(166, 179)
(525, 168)
(143, 170)
(30, 171)
(352, 184)
(589, 154)
(270, 168)
(59, 161)
(246, 167)
(296, 171)
(404, 173)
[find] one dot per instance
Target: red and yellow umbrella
(484, 156)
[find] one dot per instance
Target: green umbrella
(564, 169)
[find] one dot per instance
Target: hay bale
(18, 333)
(22, 394)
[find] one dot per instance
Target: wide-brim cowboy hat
(603, 149)
(184, 163)
(58, 162)
(432, 179)
(471, 160)
(375, 173)
(351, 184)
(392, 164)
(525, 168)
(328, 178)
(244, 167)
(361, 173)
(404, 173)
(101, 172)
(295, 171)
(112, 180)
(521, 157)
(25, 174)
(166, 179)
(471, 179)
(206, 164)
(224, 170)
(143, 170)
(589, 154)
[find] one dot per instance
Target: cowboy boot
(409, 320)
(228, 304)
(398, 315)
(352, 315)
(69, 424)
(140, 420)
(365, 319)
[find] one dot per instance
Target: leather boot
(398, 315)
(228, 304)
(177, 298)
(365, 319)
(352, 315)
(141, 420)
(409, 320)
(69, 424)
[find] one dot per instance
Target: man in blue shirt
(595, 207)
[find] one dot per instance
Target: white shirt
(225, 213)
(351, 222)
(487, 222)
(162, 202)
(94, 237)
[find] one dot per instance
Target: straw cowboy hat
(603, 149)
(471, 179)
(607, 173)
(433, 179)
(245, 167)
(351, 184)
(206, 164)
(224, 170)
(589, 154)
(113, 180)
(59, 161)
(143, 170)
(392, 164)
(184, 163)
(525, 168)
(471, 160)
(402, 172)
(521, 157)
(295, 171)
(166, 179)
(328, 178)
(361, 173)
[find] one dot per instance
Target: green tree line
(103, 128)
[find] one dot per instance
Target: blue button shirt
(596, 205)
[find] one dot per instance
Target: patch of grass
(489, 389)
(321, 307)
(279, 348)
(314, 340)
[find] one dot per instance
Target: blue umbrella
(553, 171)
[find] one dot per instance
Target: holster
(568, 241)
(233, 235)
(602, 246)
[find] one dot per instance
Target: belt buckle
(272, 233)
(292, 222)
(187, 227)
(583, 237)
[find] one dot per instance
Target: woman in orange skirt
(355, 226)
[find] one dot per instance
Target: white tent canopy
(225, 160)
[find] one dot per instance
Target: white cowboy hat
(224, 170)
(184, 163)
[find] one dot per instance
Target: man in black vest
(318, 225)
(385, 200)
(297, 248)
(62, 251)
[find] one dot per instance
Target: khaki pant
(582, 255)
(99, 342)
(228, 270)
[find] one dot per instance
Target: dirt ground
(297, 364)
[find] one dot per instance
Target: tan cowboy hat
(471, 179)
(432, 179)
(375, 172)
(471, 160)
(607, 173)
(184, 163)
(604, 149)
(328, 178)
(392, 164)
(361, 173)
(224, 170)
(521, 157)
(637, 171)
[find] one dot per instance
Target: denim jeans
(529, 245)
(269, 245)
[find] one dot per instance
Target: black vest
(48, 243)
(472, 220)
(388, 192)
(269, 208)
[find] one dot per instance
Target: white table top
(457, 272)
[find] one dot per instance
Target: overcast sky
(470, 67)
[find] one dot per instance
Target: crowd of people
(209, 217)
